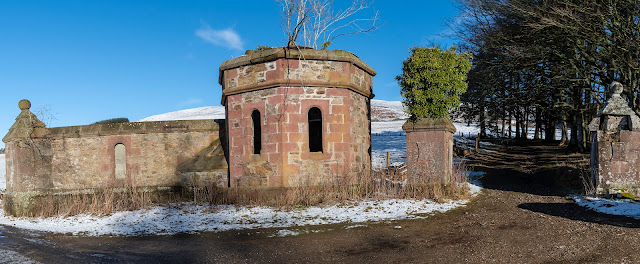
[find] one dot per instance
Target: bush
(432, 80)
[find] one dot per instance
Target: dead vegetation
(384, 184)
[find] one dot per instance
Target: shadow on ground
(539, 168)
(575, 212)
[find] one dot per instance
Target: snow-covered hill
(384, 111)
(207, 112)
(381, 111)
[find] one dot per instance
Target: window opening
(121, 161)
(315, 130)
(257, 132)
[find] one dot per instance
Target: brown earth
(523, 216)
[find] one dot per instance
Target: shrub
(432, 80)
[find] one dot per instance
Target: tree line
(541, 63)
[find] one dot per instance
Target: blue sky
(85, 61)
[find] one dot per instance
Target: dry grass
(378, 185)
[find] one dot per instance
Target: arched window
(121, 161)
(257, 133)
(315, 130)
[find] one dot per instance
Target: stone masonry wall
(283, 84)
(429, 149)
(617, 161)
(285, 138)
(172, 153)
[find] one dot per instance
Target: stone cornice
(429, 124)
(267, 55)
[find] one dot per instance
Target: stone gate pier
(615, 146)
(429, 149)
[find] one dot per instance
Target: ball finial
(616, 88)
(24, 104)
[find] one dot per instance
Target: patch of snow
(8, 256)
(355, 226)
(389, 126)
(392, 142)
(3, 173)
(207, 112)
(287, 232)
(610, 206)
(190, 218)
(475, 185)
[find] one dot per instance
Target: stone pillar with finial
(615, 147)
(28, 159)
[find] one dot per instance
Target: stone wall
(157, 154)
(283, 85)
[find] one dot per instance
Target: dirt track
(522, 217)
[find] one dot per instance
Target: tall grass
(378, 185)
(310, 191)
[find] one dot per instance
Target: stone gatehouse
(294, 116)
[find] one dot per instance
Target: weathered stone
(615, 166)
(429, 149)
(297, 84)
(51, 160)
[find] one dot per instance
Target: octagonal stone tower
(296, 116)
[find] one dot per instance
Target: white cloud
(228, 38)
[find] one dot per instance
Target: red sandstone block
(340, 109)
(276, 99)
(334, 137)
(291, 90)
(629, 136)
(341, 147)
(297, 118)
(230, 74)
(275, 158)
(335, 118)
(269, 148)
(291, 127)
(273, 138)
(342, 128)
(290, 147)
(249, 107)
(234, 99)
(274, 75)
(337, 92)
(270, 129)
(296, 137)
(293, 64)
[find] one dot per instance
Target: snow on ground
(189, 218)
(207, 112)
(3, 168)
(623, 207)
(393, 142)
(7, 256)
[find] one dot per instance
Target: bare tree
(319, 24)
